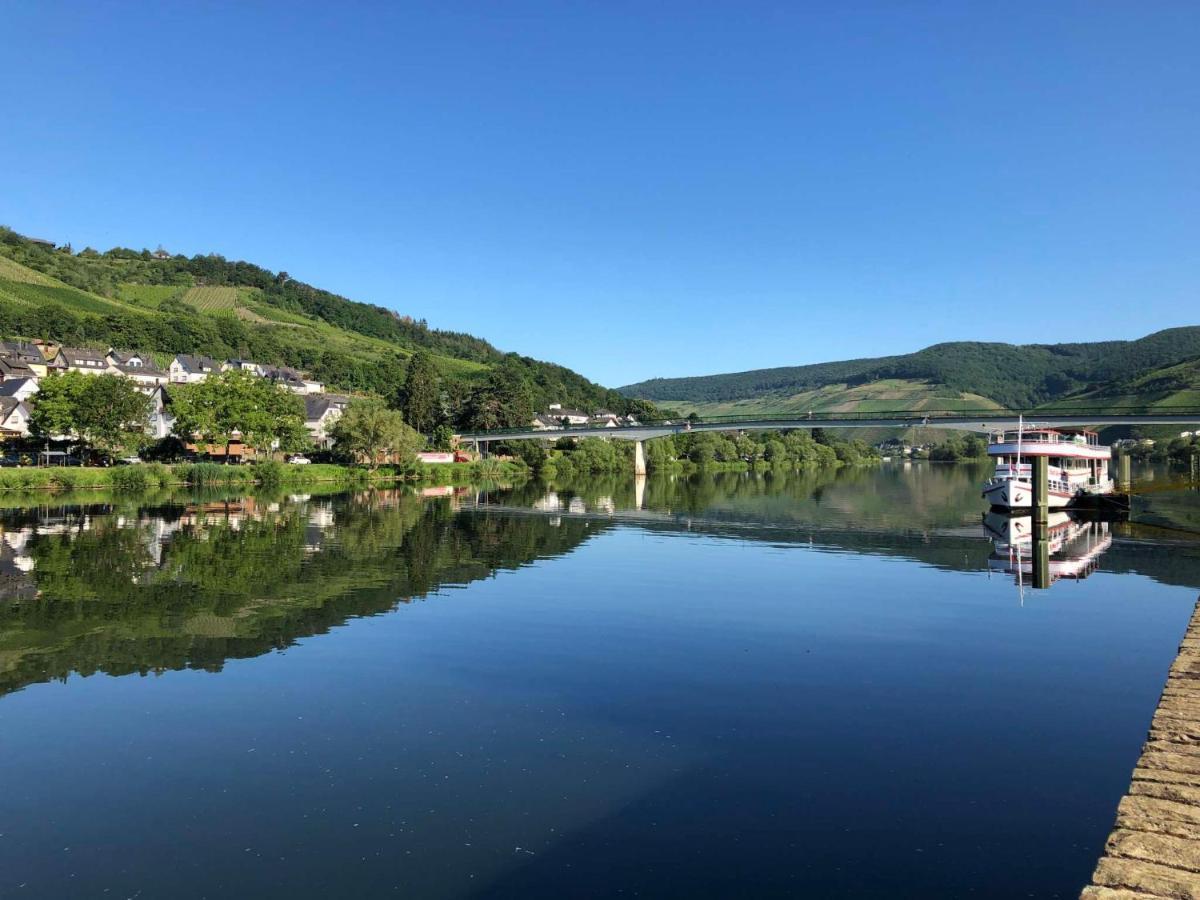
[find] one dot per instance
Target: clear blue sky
(638, 189)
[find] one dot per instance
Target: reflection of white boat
(1078, 464)
(1074, 545)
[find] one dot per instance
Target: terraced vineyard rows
(212, 299)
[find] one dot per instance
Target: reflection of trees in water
(922, 495)
(194, 586)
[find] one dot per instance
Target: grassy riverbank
(153, 476)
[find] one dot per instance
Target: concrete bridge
(983, 420)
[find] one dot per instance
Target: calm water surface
(742, 686)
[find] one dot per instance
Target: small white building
(21, 388)
(293, 379)
(186, 368)
(320, 412)
(159, 421)
(14, 417)
(243, 365)
(138, 368)
(557, 414)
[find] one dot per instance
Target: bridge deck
(967, 420)
(1153, 852)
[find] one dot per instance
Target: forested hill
(1009, 375)
(210, 305)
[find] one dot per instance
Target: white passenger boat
(1078, 465)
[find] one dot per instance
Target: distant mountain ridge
(1008, 375)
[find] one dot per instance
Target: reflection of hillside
(192, 586)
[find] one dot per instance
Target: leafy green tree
(442, 438)
(238, 404)
(111, 414)
(106, 412)
(368, 430)
(55, 410)
(505, 400)
(421, 396)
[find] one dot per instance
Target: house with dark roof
(13, 370)
(21, 388)
(186, 368)
(139, 368)
(159, 420)
(14, 418)
(320, 412)
(293, 379)
(25, 354)
(243, 365)
(82, 359)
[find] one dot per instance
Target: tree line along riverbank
(153, 476)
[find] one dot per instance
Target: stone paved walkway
(1153, 852)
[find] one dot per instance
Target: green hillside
(214, 306)
(1170, 387)
(945, 375)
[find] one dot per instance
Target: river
(795, 685)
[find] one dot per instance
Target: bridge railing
(907, 416)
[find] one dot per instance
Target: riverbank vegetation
(1178, 449)
(136, 479)
(691, 451)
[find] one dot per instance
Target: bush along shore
(154, 476)
(692, 452)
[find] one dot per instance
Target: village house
(188, 369)
(572, 416)
(25, 354)
(14, 418)
(76, 359)
(159, 421)
(320, 412)
(21, 388)
(293, 379)
(12, 370)
(243, 365)
(138, 368)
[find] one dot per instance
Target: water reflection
(190, 584)
(119, 590)
(1070, 547)
(776, 685)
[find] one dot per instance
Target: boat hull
(1018, 494)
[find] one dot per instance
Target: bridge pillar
(639, 458)
(1124, 470)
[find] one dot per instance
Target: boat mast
(1020, 432)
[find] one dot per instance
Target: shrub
(159, 474)
(63, 479)
(130, 479)
(206, 473)
(269, 473)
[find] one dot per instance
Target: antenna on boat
(1020, 433)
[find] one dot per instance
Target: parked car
(9, 462)
(299, 460)
(129, 460)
